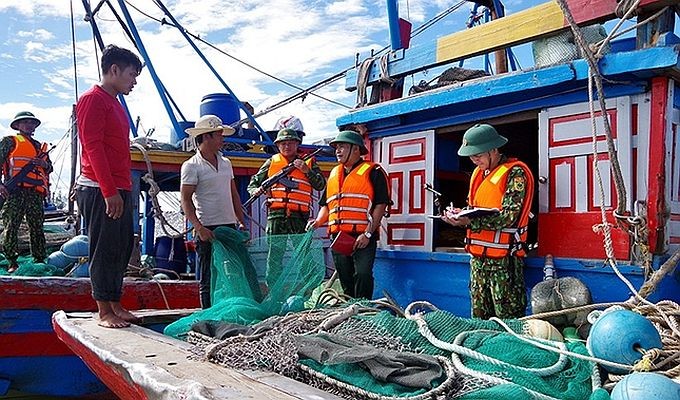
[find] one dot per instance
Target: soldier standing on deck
(288, 203)
(27, 198)
(496, 243)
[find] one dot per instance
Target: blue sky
(299, 41)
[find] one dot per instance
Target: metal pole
(74, 159)
(149, 65)
(181, 29)
(89, 16)
(393, 19)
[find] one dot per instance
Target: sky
(301, 42)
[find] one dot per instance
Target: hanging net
(291, 265)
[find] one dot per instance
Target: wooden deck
(137, 363)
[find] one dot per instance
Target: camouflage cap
(480, 139)
(287, 134)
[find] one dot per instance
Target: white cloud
(346, 7)
(33, 8)
(39, 34)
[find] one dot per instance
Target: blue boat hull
(443, 279)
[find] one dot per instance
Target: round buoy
(644, 386)
(81, 270)
(543, 330)
(619, 335)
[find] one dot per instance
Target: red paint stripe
(585, 11)
(111, 376)
(420, 156)
(593, 186)
(38, 344)
(657, 162)
(412, 191)
(397, 181)
(575, 237)
(70, 294)
(675, 217)
(419, 226)
(588, 135)
(552, 201)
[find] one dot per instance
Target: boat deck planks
(139, 363)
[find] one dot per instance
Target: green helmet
(480, 139)
(350, 137)
(22, 115)
(287, 134)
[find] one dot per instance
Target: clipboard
(343, 244)
(476, 212)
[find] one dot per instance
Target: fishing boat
(607, 209)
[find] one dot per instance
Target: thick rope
(592, 64)
(154, 190)
(650, 285)
(456, 349)
(362, 82)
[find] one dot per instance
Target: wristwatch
(368, 234)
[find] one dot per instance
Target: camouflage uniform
(497, 285)
(22, 203)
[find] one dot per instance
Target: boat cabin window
(452, 173)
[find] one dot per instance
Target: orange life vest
(23, 153)
(290, 199)
(350, 198)
(487, 191)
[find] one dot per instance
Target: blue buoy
(618, 335)
(77, 247)
(645, 386)
(60, 260)
(82, 270)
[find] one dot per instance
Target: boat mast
(74, 159)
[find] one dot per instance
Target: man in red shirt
(104, 184)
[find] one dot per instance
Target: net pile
(361, 349)
(516, 370)
(28, 267)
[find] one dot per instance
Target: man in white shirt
(209, 195)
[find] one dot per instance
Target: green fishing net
(508, 359)
(28, 267)
(255, 279)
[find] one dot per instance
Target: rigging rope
(592, 64)
(163, 21)
(154, 190)
(595, 77)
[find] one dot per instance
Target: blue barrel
(177, 136)
(171, 254)
(223, 105)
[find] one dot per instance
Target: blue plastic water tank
(177, 136)
(223, 105)
(171, 254)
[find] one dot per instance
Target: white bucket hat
(209, 123)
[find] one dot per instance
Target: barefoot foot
(112, 321)
(124, 314)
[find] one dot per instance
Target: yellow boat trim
(503, 32)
